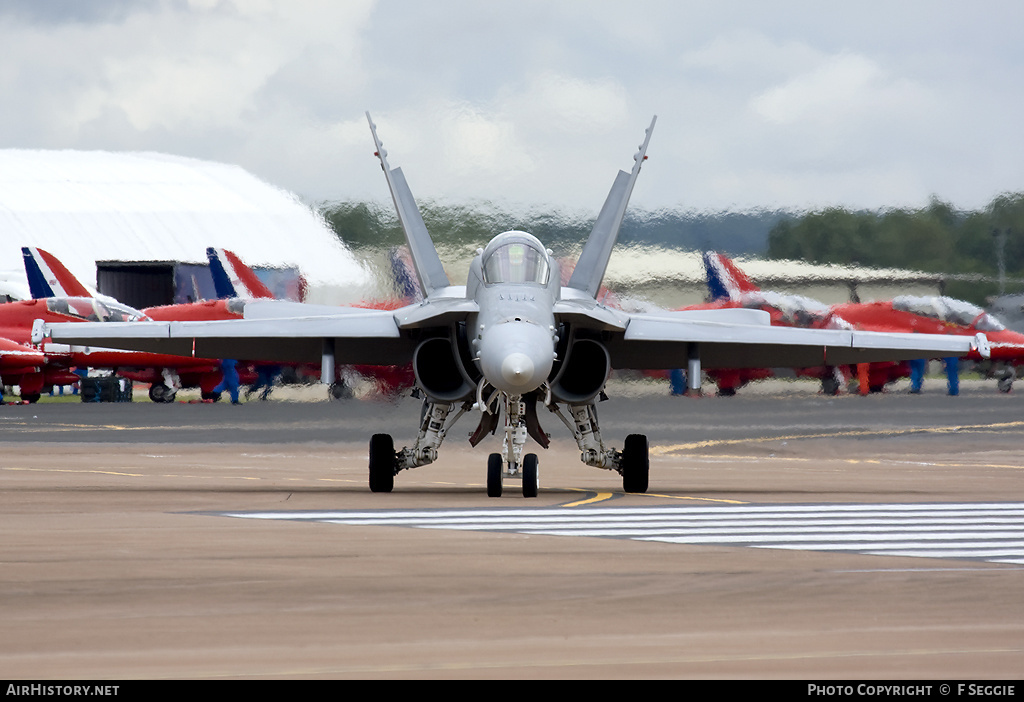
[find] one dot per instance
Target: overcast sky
(759, 104)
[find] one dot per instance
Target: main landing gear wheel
(531, 475)
(382, 463)
(635, 465)
(829, 385)
(158, 392)
(495, 464)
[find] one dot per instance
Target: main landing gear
(166, 390)
(158, 392)
(632, 463)
(520, 414)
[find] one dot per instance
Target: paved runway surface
(784, 535)
(985, 531)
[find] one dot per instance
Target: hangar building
(151, 209)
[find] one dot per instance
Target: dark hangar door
(138, 285)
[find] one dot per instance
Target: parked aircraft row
(59, 297)
(235, 283)
(730, 288)
(510, 340)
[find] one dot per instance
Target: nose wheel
(529, 473)
(495, 468)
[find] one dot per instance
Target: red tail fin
(232, 278)
(47, 276)
(725, 280)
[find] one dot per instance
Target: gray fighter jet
(511, 340)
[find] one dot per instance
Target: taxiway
(131, 546)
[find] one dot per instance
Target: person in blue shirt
(228, 368)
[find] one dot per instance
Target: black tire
(531, 475)
(829, 385)
(495, 464)
(635, 464)
(214, 396)
(340, 391)
(31, 397)
(1005, 384)
(382, 463)
(157, 391)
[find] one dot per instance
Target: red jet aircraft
(730, 287)
(58, 295)
(236, 284)
(939, 315)
(934, 315)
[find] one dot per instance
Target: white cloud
(571, 104)
(533, 102)
(837, 86)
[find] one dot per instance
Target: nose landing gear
(528, 472)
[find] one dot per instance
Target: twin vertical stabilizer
(424, 256)
(593, 261)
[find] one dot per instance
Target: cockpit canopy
(515, 257)
(797, 310)
(949, 310)
(94, 310)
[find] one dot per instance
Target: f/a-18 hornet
(512, 339)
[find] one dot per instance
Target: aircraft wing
(664, 340)
(277, 331)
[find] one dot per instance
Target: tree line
(365, 224)
(965, 245)
(969, 246)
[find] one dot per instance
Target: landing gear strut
(511, 463)
(385, 462)
(632, 463)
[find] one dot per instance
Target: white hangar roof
(681, 277)
(89, 206)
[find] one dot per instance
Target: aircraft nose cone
(517, 370)
(516, 357)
